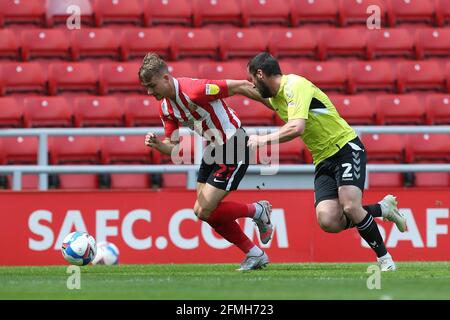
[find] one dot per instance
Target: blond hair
(152, 65)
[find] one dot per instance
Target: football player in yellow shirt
(339, 155)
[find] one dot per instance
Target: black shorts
(224, 166)
(346, 167)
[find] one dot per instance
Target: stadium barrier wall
(160, 227)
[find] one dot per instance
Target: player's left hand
(254, 141)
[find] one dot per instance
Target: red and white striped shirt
(199, 105)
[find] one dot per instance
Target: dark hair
(266, 62)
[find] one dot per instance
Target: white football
(107, 253)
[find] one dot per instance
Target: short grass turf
(412, 280)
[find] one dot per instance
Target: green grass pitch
(412, 280)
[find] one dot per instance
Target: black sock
(373, 209)
(368, 229)
(349, 223)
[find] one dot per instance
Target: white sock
(258, 210)
(255, 252)
(387, 255)
(384, 208)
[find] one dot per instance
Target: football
(107, 253)
(79, 248)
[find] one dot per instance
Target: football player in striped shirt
(199, 105)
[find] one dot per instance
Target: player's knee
(351, 207)
(327, 223)
(201, 212)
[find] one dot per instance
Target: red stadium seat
(45, 43)
(117, 77)
(196, 43)
(342, 42)
(432, 179)
(183, 69)
(78, 181)
(400, 109)
(327, 75)
(384, 148)
(317, 11)
(265, 11)
(29, 182)
(17, 77)
(136, 43)
(395, 42)
(241, 43)
(142, 111)
(217, 11)
(168, 12)
(20, 150)
(376, 75)
(126, 149)
(293, 42)
(291, 152)
(72, 76)
(11, 113)
(25, 11)
(355, 11)
(428, 148)
(9, 46)
(411, 11)
(355, 109)
(94, 43)
(437, 109)
(98, 111)
(174, 180)
(130, 181)
(47, 112)
(63, 11)
(420, 75)
(223, 70)
(250, 112)
(74, 149)
(432, 42)
(118, 11)
(385, 180)
(442, 12)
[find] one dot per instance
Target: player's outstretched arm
(291, 130)
(165, 146)
(246, 88)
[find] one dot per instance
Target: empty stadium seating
(19, 150)
(356, 11)
(217, 11)
(194, 43)
(52, 76)
(355, 109)
(142, 111)
(290, 42)
(135, 43)
(437, 109)
(178, 12)
(47, 112)
(399, 109)
(98, 111)
(22, 78)
(29, 12)
(320, 11)
(45, 43)
(265, 12)
(428, 148)
(72, 77)
(11, 112)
